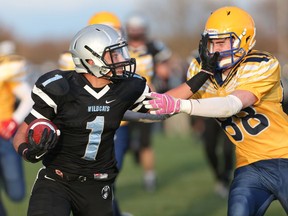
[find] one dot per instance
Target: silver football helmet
(94, 42)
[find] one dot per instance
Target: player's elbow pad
(233, 105)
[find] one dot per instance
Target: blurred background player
(284, 81)
(121, 140)
(65, 61)
(219, 152)
(107, 18)
(15, 105)
(152, 63)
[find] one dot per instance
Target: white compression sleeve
(217, 107)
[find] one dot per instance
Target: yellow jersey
(144, 63)
(144, 66)
(260, 131)
(12, 73)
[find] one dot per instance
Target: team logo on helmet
(211, 31)
(105, 191)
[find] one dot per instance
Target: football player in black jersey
(87, 106)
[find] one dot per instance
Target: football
(38, 126)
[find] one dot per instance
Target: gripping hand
(162, 104)
(209, 63)
(35, 151)
(8, 128)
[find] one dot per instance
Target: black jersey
(87, 118)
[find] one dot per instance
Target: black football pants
(53, 196)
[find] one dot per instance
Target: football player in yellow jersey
(13, 89)
(244, 94)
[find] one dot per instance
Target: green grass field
(185, 184)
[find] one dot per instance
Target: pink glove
(8, 128)
(162, 104)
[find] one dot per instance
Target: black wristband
(197, 81)
(21, 148)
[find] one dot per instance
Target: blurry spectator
(152, 63)
(15, 105)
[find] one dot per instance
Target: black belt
(73, 177)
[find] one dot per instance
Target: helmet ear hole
(89, 61)
(248, 38)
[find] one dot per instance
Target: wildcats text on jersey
(98, 108)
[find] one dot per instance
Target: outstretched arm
(143, 117)
(216, 107)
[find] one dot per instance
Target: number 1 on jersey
(96, 127)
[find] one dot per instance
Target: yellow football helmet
(236, 24)
(106, 18)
